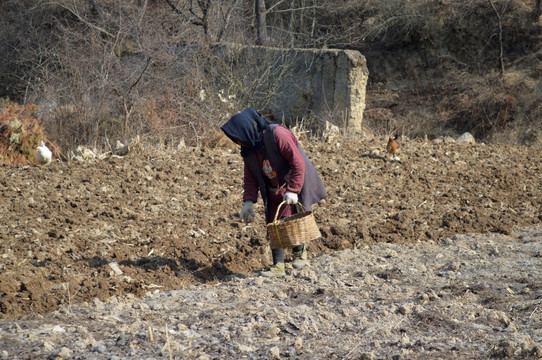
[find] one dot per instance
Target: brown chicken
(393, 147)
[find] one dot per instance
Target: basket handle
(282, 203)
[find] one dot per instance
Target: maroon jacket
(288, 166)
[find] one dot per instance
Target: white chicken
(44, 154)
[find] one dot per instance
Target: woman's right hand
(277, 194)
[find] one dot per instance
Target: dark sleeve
(250, 186)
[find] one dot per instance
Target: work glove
(247, 213)
(290, 198)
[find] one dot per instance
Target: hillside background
(103, 70)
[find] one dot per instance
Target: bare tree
(213, 16)
(501, 51)
(294, 22)
(261, 26)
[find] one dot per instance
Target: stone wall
(314, 83)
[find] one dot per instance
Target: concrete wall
(313, 82)
(324, 82)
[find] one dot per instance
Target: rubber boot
(300, 259)
(274, 270)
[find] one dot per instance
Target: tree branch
(226, 22)
(75, 13)
(194, 20)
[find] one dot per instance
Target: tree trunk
(261, 26)
(501, 49)
(291, 24)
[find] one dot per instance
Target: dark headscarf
(247, 127)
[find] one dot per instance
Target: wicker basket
(293, 230)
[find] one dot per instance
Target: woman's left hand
(290, 198)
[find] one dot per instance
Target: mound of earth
(75, 232)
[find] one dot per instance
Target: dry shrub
(165, 122)
(417, 121)
(400, 22)
(170, 121)
(325, 125)
(217, 139)
(406, 111)
(482, 105)
(215, 83)
(249, 75)
(380, 120)
(100, 63)
(21, 133)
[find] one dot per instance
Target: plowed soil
(75, 231)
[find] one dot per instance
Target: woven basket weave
(292, 230)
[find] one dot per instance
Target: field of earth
(81, 233)
(171, 219)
